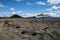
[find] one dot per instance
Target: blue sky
(29, 7)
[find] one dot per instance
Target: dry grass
(30, 26)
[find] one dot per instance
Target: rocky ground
(30, 29)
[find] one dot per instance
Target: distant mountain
(49, 17)
(31, 17)
(3, 17)
(16, 16)
(43, 17)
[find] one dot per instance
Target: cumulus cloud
(51, 14)
(29, 14)
(19, 12)
(53, 1)
(16, 12)
(54, 14)
(54, 11)
(1, 5)
(13, 12)
(54, 8)
(12, 9)
(7, 15)
(40, 3)
(28, 3)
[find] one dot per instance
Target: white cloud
(1, 5)
(51, 14)
(28, 3)
(19, 0)
(12, 9)
(29, 14)
(36, 3)
(53, 1)
(41, 3)
(19, 12)
(54, 8)
(55, 13)
(13, 12)
(16, 12)
(7, 15)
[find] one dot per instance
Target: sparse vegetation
(29, 29)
